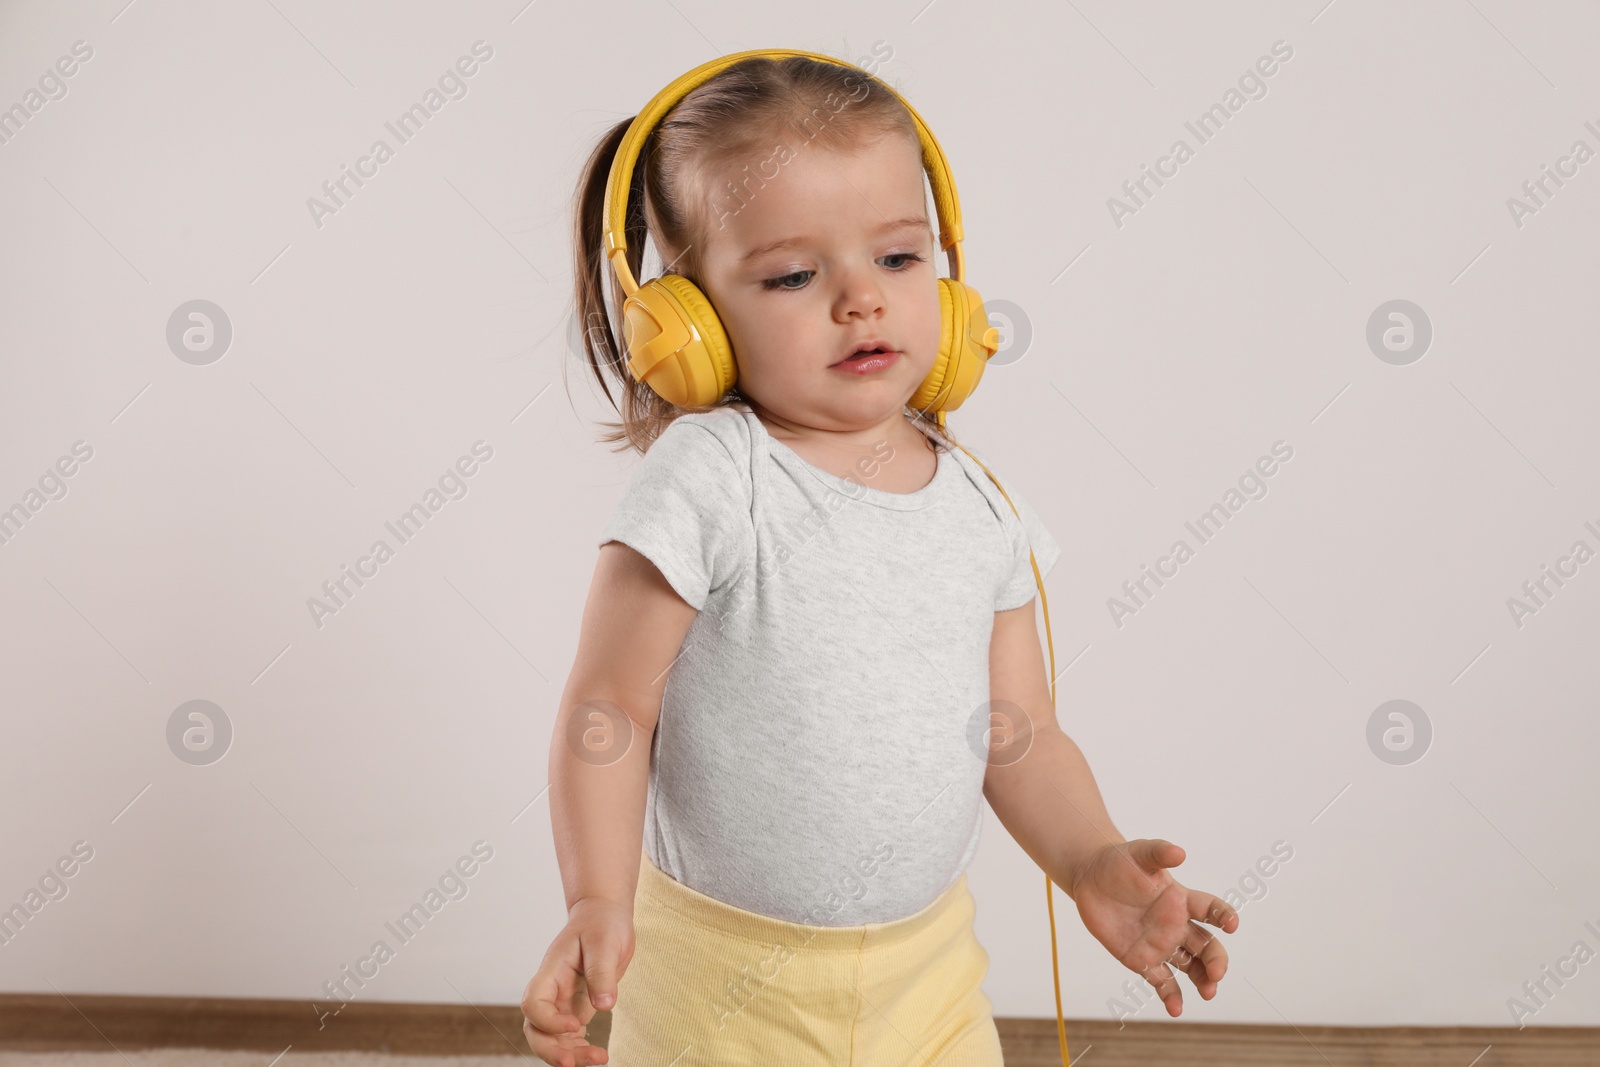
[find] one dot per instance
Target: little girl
(808, 655)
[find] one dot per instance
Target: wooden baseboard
(43, 1023)
(1033, 1043)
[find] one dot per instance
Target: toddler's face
(863, 268)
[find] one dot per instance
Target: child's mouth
(867, 362)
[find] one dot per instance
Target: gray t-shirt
(820, 751)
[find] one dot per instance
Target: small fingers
(562, 1050)
(1208, 908)
(1155, 854)
(1195, 967)
(548, 1003)
(539, 1042)
(1213, 957)
(547, 1015)
(1160, 976)
(1202, 957)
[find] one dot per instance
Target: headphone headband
(946, 204)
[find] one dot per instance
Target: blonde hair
(736, 114)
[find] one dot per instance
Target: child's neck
(907, 464)
(898, 430)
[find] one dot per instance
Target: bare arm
(633, 628)
(1047, 799)
(1049, 802)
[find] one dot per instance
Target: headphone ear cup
(676, 344)
(966, 342)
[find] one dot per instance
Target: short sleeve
(687, 510)
(1020, 586)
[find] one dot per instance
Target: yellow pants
(712, 985)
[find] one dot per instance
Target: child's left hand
(1145, 917)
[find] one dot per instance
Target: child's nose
(860, 294)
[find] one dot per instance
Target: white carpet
(205, 1057)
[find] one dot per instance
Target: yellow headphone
(677, 345)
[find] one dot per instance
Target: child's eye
(777, 284)
(912, 256)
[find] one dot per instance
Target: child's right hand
(578, 977)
